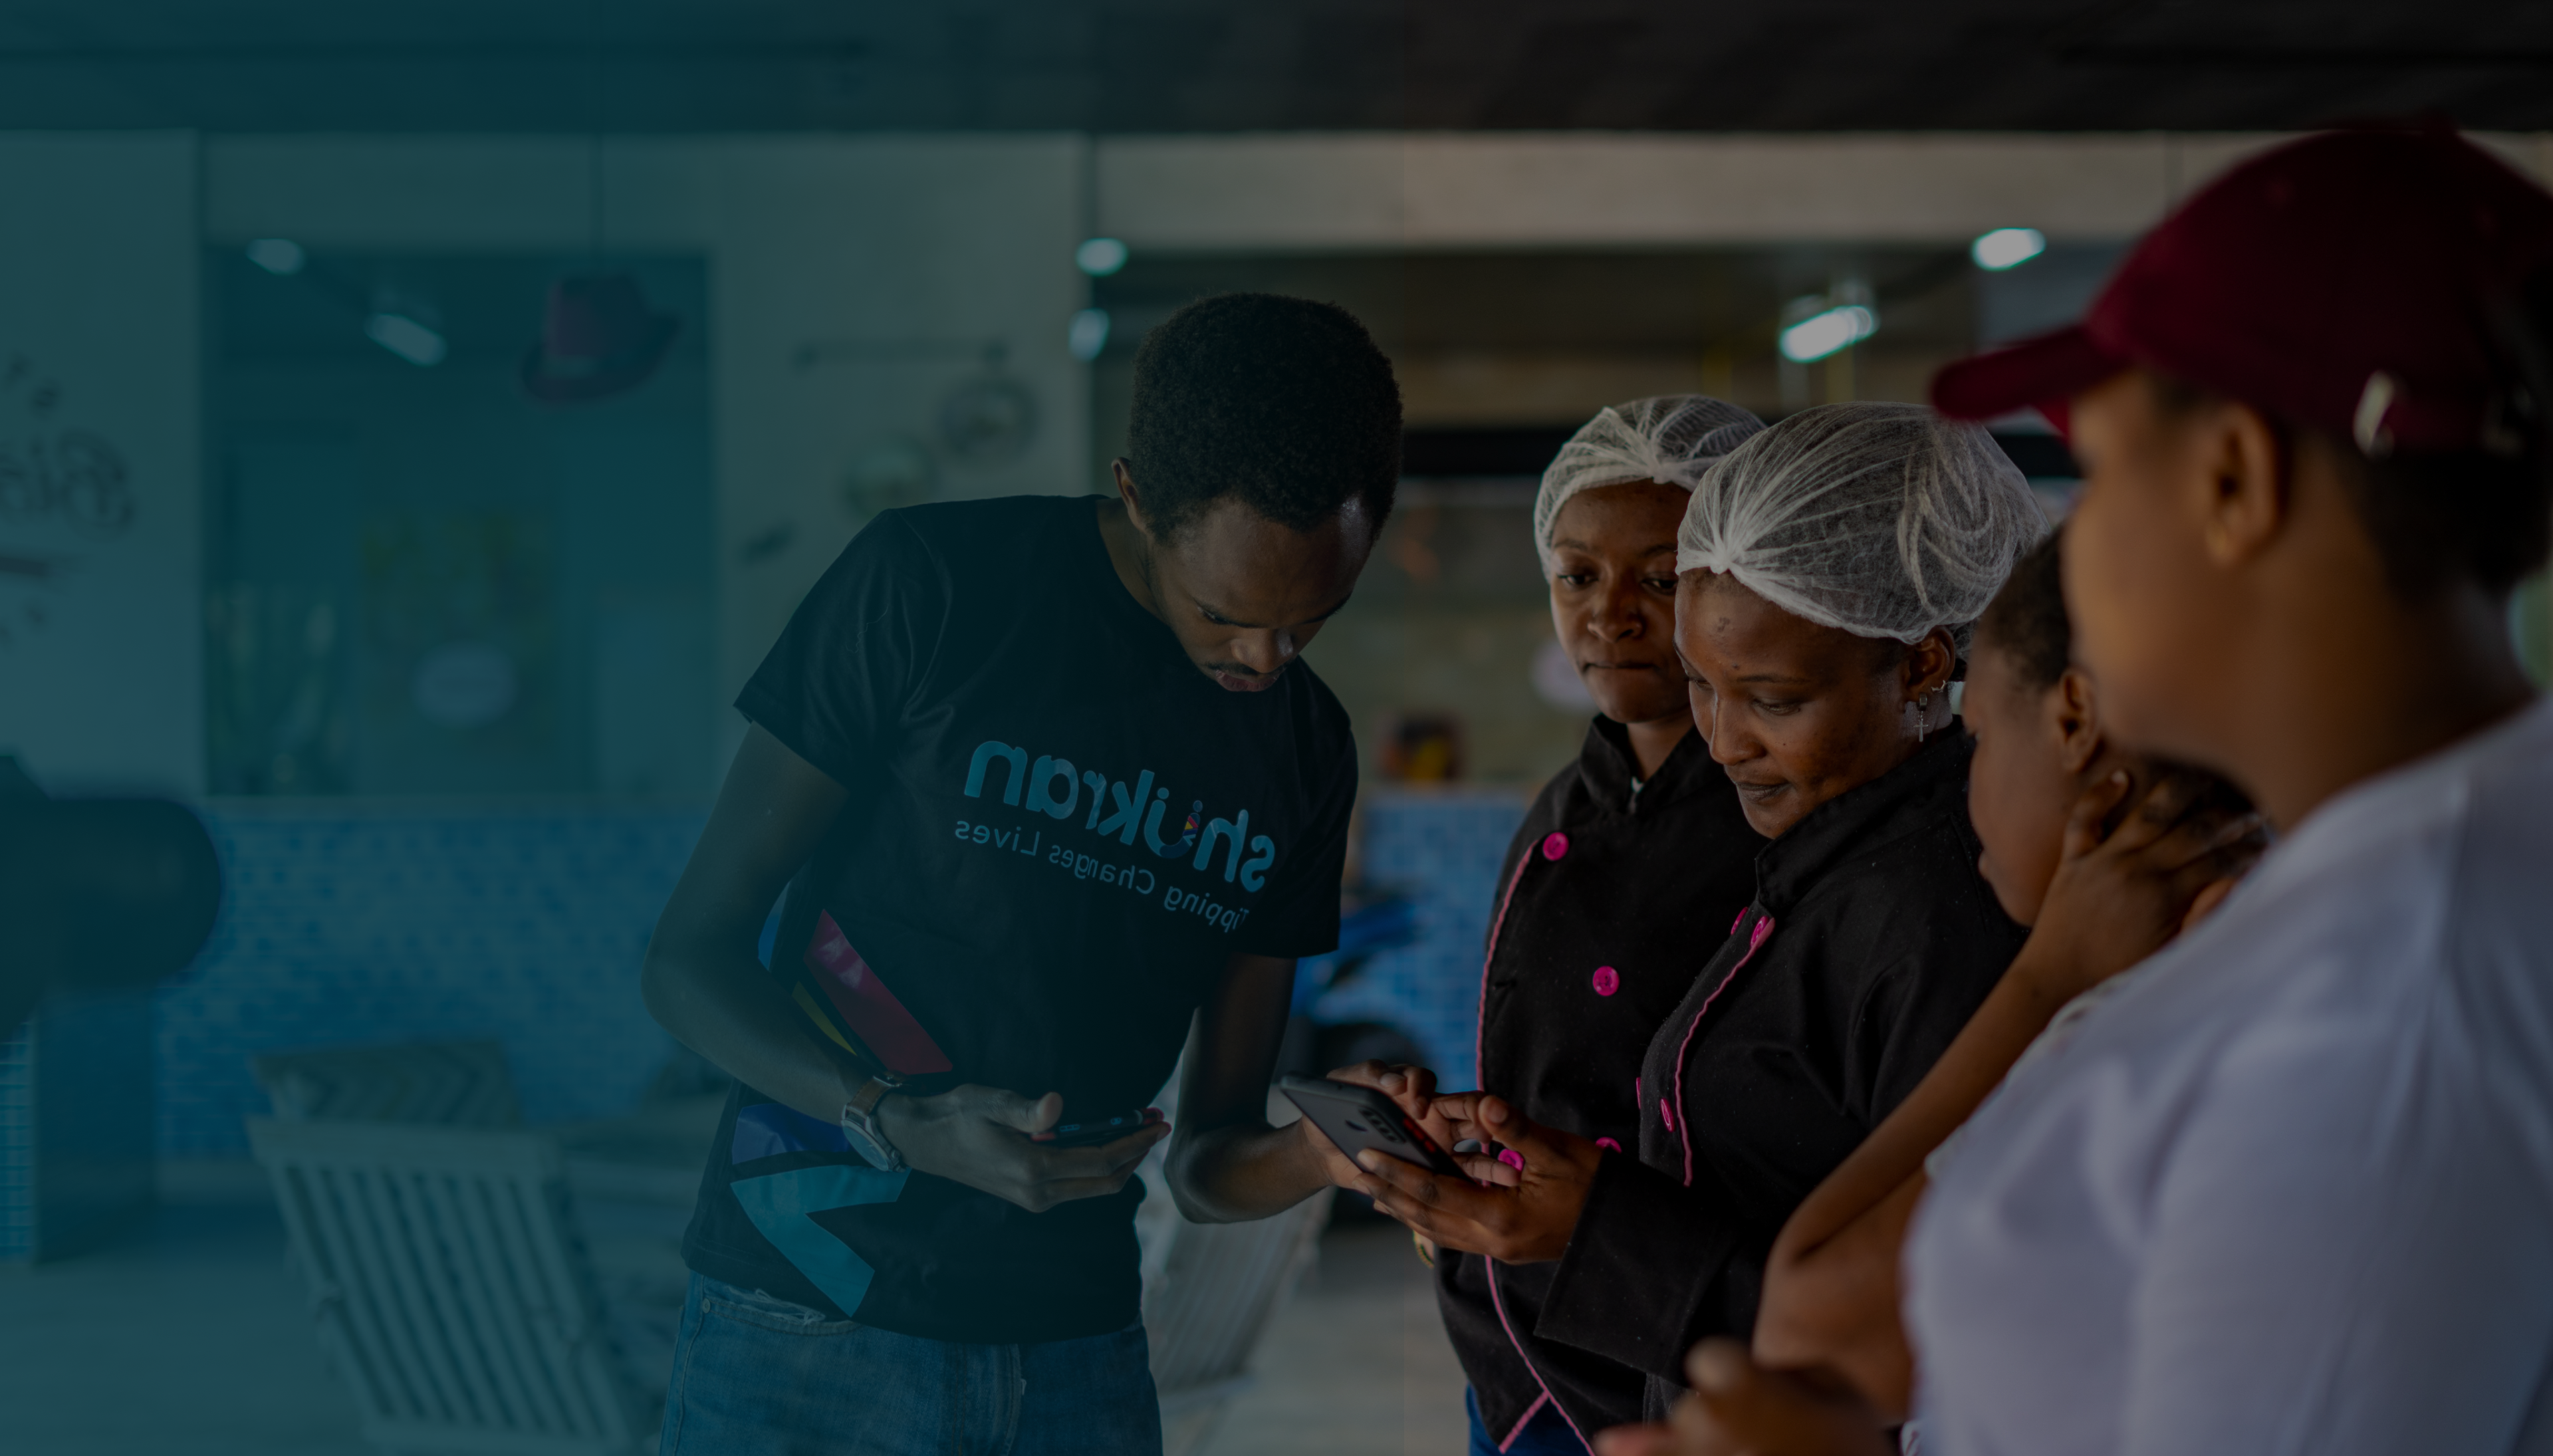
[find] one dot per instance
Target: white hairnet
(1885, 521)
(1669, 438)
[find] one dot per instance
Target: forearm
(2013, 1015)
(1244, 1171)
(1830, 1289)
(1226, 1163)
(1837, 1309)
(740, 1018)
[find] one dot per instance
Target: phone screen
(1092, 1131)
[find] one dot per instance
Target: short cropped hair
(2026, 621)
(1282, 402)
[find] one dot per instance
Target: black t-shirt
(1056, 830)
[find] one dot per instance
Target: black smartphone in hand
(1090, 1132)
(1357, 1118)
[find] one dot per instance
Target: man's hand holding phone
(984, 1138)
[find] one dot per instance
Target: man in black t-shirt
(1045, 785)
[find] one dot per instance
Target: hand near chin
(1742, 1409)
(1521, 1209)
(2137, 869)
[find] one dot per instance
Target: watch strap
(863, 1127)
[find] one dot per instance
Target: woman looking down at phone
(2107, 855)
(1626, 857)
(1830, 570)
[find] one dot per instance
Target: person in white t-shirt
(2291, 1189)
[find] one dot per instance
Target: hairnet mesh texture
(1670, 438)
(1885, 521)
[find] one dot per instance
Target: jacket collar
(1605, 764)
(1862, 819)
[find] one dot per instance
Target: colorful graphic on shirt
(769, 1130)
(780, 1205)
(1187, 837)
(870, 1012)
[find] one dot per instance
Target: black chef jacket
(1870, 942)
(1612, 900)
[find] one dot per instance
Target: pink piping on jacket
(1479, 1043)
(1501, 1305)
(1481, 1022)
(1756, 940)
(1527, 1420)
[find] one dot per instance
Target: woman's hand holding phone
(981, 1137)
(1519, 1209)
(1411, 1089)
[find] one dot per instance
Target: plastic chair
(1220, 1286)
(444, 1083)
(1210, 1290)
(450, 1289)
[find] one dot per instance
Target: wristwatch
(865, 1130)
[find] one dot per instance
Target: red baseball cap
(2352, 281)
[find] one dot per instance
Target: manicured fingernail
(1370, 1160)
(1712, 1368)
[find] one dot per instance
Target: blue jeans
(756, 1376)
(1547, 1433)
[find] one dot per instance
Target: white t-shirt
(2292, 1189)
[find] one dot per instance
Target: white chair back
(451, 1289)
(446, 1083)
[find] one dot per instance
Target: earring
(1923, 714)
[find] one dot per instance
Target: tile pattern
(1444, 850)
(347, 925)
(17, 1148)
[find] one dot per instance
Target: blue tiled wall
(1443, 848)
(344, 926)
(348, 924)
(17, 1148)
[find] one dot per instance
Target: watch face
(865, 1140)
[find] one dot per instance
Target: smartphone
(1357, 1118)
(1090, 1132)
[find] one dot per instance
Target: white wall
(101, 665)
(891, 256)
(858, 246)
(1594, 188)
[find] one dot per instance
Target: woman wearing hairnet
(1626, 855)
(1830, 570)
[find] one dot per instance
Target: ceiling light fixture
(1821, 334)
(1099, 257)
(280, 257)
(406, 338)
(2007, 248)
(1088, 334)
